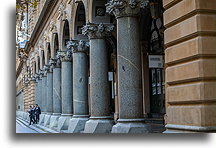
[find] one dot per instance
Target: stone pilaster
(57, 101)
(80, 86)
(100, 120)
(67, 90)
(129, 67)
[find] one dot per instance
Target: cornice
(41, 22)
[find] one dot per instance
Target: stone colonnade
(189, 62)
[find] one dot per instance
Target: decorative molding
(97, 30)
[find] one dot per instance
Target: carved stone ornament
(45, 70)
(65, 56)
(78, 46)
(97, 30)
(50, 67)
(53, 27)
(37, 76)
(62, 12)
(122, 8)
(40, 74)
(33, 79)
(56, 62)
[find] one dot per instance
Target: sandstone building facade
(119, 66)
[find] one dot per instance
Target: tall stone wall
(190, 64)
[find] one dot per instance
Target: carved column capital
(78, 46)
(65, 56)
(56, 62)
(123, 8)
(94, 31)
(45, 70)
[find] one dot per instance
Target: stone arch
(79, 21)
(42, 59)
(65, 35)
(54, 45)
(37, 63)
(47, 53)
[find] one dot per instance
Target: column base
(98, 125)
(172, 128)
(54, 121)
(42, 116)
(63, 122)
(77, 123)
(47, 119)
(131, 126)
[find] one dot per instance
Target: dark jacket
(31, 112)
(37, 110)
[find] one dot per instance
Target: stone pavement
(23, 126)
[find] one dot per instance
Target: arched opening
(38, 64)
(151, 38)
(42, 59)
(66, 35)
(80, 21)
(48, 53)
(56, 45)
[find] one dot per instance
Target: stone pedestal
(63, 122)
(100, 120)
(66, 91)
(80, 86)
(129, 68)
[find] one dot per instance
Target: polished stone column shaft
(57, 101)
(43, 98)
(57, 109)
(80, 86)
(49, 92)
(129, 67)
(43, 95)
(39, 92)
(66, 89)
(36, 91)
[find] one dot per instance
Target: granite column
(80, 86)
(49, 94)
(129, 67)
(56, 93)
(100, 120)
(66, 91)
